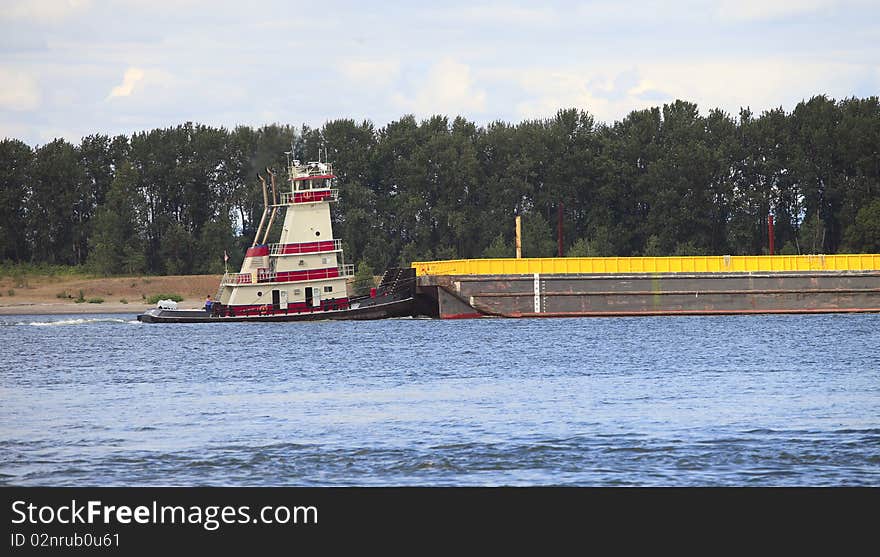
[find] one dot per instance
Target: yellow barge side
(629, 265)
(606, 286)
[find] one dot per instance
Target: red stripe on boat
(310, 196)
(293, 276)
(306, 247)
(293, 307)
(257, 251)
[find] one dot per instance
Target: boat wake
(82, 321)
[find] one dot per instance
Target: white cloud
(505, 14)
(43, 11)
(750, 10)
(605, 92)
(758, 83)
(371, 73)
(18, 91)
(121, 65)
(11, 130)
(447, 89)
(50, 134)
(610, 93)
(130, 80)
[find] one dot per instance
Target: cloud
(18, 91)
(603, 92)
(760, 83)
(752, 10)
(43, 11)
(447, 89)
(728, 84)
(505, 14)
(371, 73)
(131, 78)
(13, 130)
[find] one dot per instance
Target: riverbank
(45, 295)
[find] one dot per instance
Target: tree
(662, 180)
(537, 238)
(364, 278)
(499, 248)
(864, 234)
(15, 161)
(59, 216)
(118, 242)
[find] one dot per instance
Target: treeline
(663, 181)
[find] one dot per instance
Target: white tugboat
(303, 275)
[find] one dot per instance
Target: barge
(633, 286)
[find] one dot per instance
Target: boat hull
(365, 311)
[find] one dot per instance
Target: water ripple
(609, 402)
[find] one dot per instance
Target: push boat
(301, 277)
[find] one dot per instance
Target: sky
(71, 68)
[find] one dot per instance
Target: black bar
(384, 518)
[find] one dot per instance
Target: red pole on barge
(770, 231)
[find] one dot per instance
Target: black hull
(369, 311)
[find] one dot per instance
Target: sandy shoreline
(54, 295)
(62, 308)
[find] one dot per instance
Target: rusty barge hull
(613, 294)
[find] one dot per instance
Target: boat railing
(298, 169)
(309, 247)
(262, 276)
(237, 278)
(309, 196)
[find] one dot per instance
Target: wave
(82, 321)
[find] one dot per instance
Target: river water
(102, 400)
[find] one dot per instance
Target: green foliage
(664, 180)
(789, 248)
(811, 236)
(580, 248)
(364, 278)
(537, 237)
(16, 160)
(96, 300)
(117, 241)
(600, 245)
(156, 297)
(688, 248)
(864, 234)
(499, 248)
(23, 270)
(652, 247)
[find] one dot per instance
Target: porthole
(317, 232)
